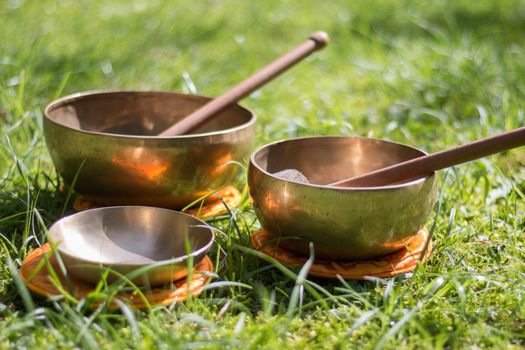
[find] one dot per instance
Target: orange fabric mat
(40, 282)
(401, 261)
(211, 207)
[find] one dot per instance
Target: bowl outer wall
(153, 276)
(95, 225)
(165, 172)
(342, 223)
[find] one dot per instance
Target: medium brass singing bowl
(105, 144)
(343, 223)
(155, 244)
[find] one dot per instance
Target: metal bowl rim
(135, 265)
(339, 188)
(79, 95)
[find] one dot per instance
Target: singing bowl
(343, 223)
(105, 145)
(153, 243)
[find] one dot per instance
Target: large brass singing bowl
(343, 223)
(104, 143)
(155, 244)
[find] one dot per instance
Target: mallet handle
(316, 42)
(421, 166)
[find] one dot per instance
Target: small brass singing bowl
(105, 145)
(343, 223)
(150, 246)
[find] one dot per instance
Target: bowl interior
(327, 159)
(131, 236)
(138, 113)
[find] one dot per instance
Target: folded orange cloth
(401, 261)
(38, 280)
(211, 206)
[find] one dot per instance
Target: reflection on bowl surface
(104, 143)
(128, 238)
(343, 223)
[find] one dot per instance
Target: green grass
(427, 73)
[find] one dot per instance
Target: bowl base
(38, 280)
(401, 261)
(211, 207)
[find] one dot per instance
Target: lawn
(431, 74)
